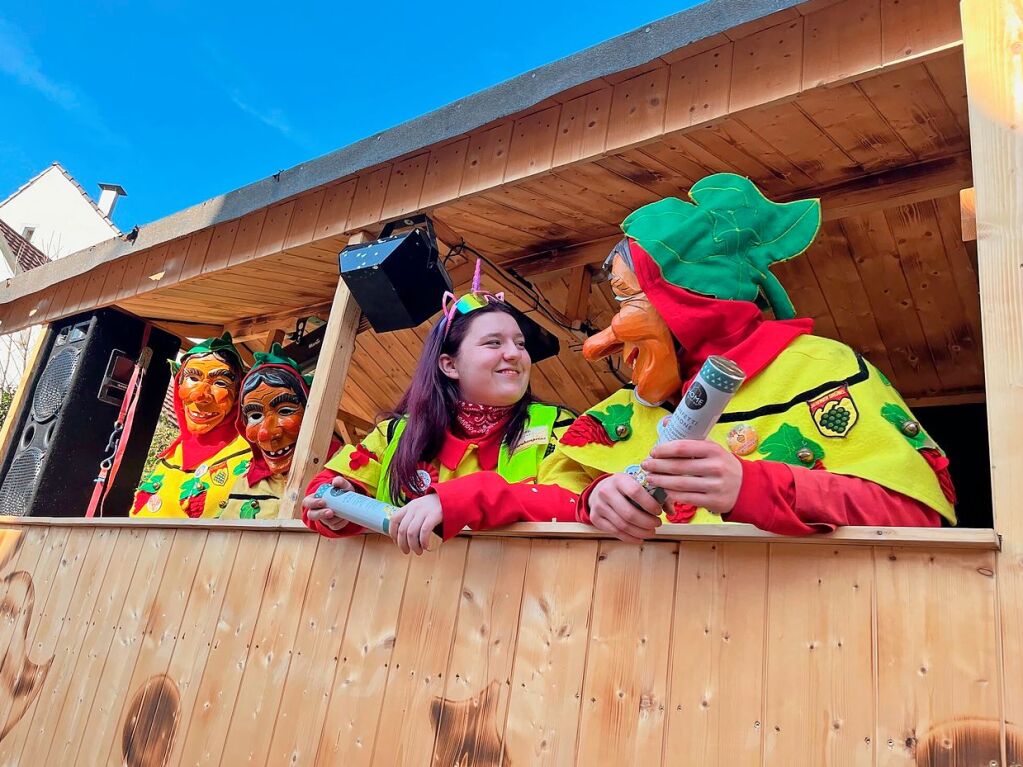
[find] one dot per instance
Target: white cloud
(19, 60)
(229, 75)
(273, 118)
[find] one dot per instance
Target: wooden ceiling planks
(847, 117)
(579, 197)
(802, 142)
(877, 261)
(840, 283)
(807, 296)
(953, 344)
(911, 104)
(643, 170)
(949, 75)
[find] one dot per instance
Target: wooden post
(20, 400)
(993, 50)
(324, 396)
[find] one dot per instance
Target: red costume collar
(488, 447)
(705, 326)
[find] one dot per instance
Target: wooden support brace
(578, 302)
(342, 428)
(328, 383)
(245, 353)
(353, 420)
(274, 337)
(257, 327)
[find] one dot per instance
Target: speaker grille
(54, 384)
(20, 482)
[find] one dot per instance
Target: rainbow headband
(470, 302)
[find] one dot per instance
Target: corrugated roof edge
(629, 50)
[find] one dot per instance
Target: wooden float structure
(157, 642)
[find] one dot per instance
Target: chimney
(108, 196)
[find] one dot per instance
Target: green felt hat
(724, 245)
(223, 346)
(278, 358)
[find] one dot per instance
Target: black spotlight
(399, 280)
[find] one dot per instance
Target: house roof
(28, 255)
(79, 187)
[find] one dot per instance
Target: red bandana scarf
(475, 421)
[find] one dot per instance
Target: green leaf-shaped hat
(278, 358)
(724, 245)
(224, 346)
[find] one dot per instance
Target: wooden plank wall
(201, 646)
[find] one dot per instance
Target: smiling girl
(465, 442)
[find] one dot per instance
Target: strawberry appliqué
(360, 457)
(193, 497)
(601, 427)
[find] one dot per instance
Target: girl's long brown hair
(430, 404)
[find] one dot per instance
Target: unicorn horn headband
(470, 302)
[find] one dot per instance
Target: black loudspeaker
(398, 281)
(74, 397)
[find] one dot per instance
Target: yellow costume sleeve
(361, 462)
(557, 468)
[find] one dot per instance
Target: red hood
(705, 326)
(196, 448)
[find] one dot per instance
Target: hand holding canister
(698, 412)
(362, 510)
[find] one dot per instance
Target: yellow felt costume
(817, 401)
(171, 491)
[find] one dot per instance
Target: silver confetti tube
(364, 511)
(699, 410)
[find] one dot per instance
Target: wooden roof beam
(254, 327)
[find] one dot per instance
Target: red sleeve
(483, 500)
(584, 500)
(792, 500)
(325, 477)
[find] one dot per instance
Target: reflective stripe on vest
(517, 466)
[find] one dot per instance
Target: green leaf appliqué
(784, 446)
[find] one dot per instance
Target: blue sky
(181, 101)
